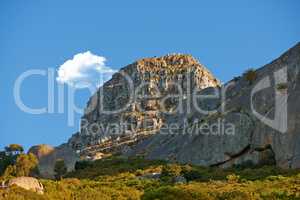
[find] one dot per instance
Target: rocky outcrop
(27, 183)
(133, 104)
(48, 155)
(264, 132)
(254, 118)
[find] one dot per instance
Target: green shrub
(115, 165)
(60, 168)
(236, 78)
(167, 193)
(5, 161)
(139, 172)
(281, 86)
(83, 164)
(244, 165)
(171, 170)
(250, 75)
(232, 178)
(14, 149)
(115, 178)
(191, 174)
(26, 165)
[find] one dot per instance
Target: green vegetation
(60, 169)
(9, 156)
(83, 164)
(14, 149)
(236, 78)
(26, 165)
(5, 161)
(250, 75)
(169, 172)
(282, 86)
(14, 163)
(124, 178)
(112, 166)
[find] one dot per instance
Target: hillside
(172, 108)
(136, 178)
(247, 157)
(255, 120)
(254, 117)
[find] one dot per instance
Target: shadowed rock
(245, 105)
(48, 155)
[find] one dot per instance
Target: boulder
(48, 155)
(27, 183)
(150, 176)
(179, 180)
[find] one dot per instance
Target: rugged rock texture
(27, 183)
(253, 140)
(236, 128)
(48, 155)
(137, 92)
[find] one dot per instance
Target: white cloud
(84, 69)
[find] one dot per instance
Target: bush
(14, 149)
(139, 172)
(281, 86)
(83, 164)
(26, 165)
(60, 168)
(167, 193)
(245, 165)
(250, 75)
(115, 165)
(191, 174)
(171, 170)
(114, 178)
(232, 178)
(5, 161)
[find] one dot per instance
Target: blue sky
(226, 36)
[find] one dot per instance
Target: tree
(26, 165)
(9, 157)
(14, 149)
(171, 170)
(6, 160)
(83, 164)
(60, 168)
(250, 75)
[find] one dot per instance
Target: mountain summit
(141, 95)
(240, 126)
(172, 108)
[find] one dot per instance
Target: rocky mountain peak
(170, 61)
(246, 139)
(177, 65)
(154, 78)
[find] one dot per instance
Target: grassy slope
(117, 178)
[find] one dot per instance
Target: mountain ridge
(253, 141)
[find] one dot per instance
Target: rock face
(48, 155)
(27, 183)
(131, 106)
(247, 105)
(254, 118)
